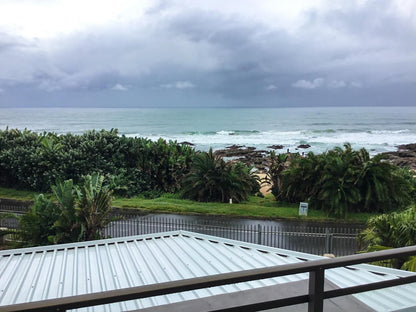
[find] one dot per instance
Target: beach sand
(265, 189)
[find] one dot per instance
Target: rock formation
(404, 157)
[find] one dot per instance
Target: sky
(191, 53)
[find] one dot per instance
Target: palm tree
(67, 225)
(392, 230)
(212, 179)
(244, 182)
(94, 205)
(337, 191)
(343, 180)
(36, 227)
(278, 163)
(301, 181)
(383, 187)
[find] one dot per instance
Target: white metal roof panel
(40, 273)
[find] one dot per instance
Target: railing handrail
(316, 268)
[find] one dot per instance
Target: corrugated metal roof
(40, 273)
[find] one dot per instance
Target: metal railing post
(259, 234)
(328, 241)
(316, 290)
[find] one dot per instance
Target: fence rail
(314, 297)
(339, 241)
(14, 206)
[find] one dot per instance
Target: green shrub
(34, 161)
(36, 227)
(79, 213)
(343, 180)
(392, 230)
(211, 179)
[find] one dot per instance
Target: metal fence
(309, 239)
(318, 240)
(14, 206)
(315, 295)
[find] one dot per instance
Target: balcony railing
(315, 296)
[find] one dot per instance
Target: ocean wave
(237, 132)
(199, 132)
(324, 131)
(388, 131)
(221, 132)
(375, 140)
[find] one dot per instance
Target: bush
(211, 179)
(392, 230)
(36, 227)
(79, 213)
(343, 180)
(35, 161)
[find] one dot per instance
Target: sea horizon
(378, 129)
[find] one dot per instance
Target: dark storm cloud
(350, 51)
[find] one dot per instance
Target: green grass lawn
(17, 194)
(255, 207)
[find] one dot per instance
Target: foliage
(343, 180)
(31, 161)
(278, 163)
(94, 206)
(392, 230)
(79, 213)
(212, 179)
(67, 224)
(36, 227)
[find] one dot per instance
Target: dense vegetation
(386, 231)
(32, 161)
(341, 181)
(255, 207)
(79, 213)
(338, 182)
(211, 179)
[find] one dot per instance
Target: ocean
(379, 129)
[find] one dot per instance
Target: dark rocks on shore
(405, 156)
(408, 147)
(275, 146)
(187, 143)
(247, 155)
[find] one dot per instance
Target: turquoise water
(378, 129)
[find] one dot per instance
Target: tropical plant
(392, 230)
(343, 180)
(67, 225)
(35, 161)
(94, 206)
(278, 164)
(301, 180)
(212, 179)
(337, 190)
(383, 187)
(79, 213)
(36, 227)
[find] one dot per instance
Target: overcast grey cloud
(179, 53)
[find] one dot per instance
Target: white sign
(303, 209)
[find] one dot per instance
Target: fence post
(316, 290)
(259, 234)
(328, 241)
